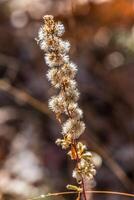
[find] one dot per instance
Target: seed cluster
(61, 74)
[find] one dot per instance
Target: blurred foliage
(101, 34)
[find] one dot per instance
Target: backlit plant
(61, 74)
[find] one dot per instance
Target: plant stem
(84, 191)
(89, 192)
(74, 143)
(82, 179)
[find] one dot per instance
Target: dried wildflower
(75, 111)
(65, 142)
(74, 127)
(77, 175)
(61, 74)
(56, 104)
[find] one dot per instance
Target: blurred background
(101, 33)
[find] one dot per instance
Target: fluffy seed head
(59, 29)
(75, 111)
(72, 94)
(64, 46)
(69, 69)
(61, 74)
(41, 33)
(74, 127)
(77, 175)
(56, 104)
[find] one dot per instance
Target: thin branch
(23, 96)
(89, 192)
(111, 163)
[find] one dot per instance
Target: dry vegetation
(101, 35)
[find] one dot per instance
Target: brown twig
(23, 96)
(91, 192)
(112, 164)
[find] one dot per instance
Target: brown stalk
(74, 144)
(90, 192)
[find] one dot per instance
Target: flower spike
(61, 74)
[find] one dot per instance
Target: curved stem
(89, 192)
